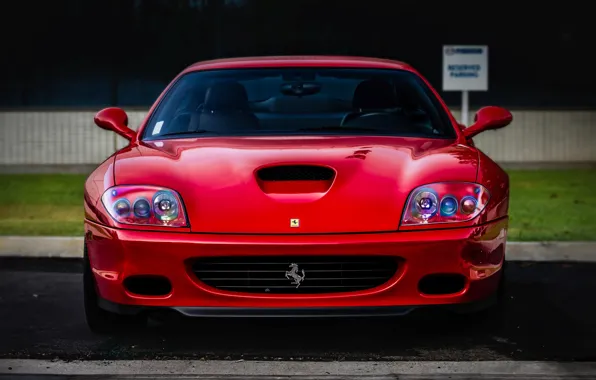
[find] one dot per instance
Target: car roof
(299, 61)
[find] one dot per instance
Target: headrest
(374, 94)
(227, 96)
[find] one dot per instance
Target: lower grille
(295, 274)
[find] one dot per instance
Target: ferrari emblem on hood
(294, 222)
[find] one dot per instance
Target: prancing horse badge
(294, 222)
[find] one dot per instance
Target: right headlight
(445, 202)
(145, 205)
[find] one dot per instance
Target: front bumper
(477, 253)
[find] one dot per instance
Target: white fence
(71, 138)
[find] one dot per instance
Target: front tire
(101, 321)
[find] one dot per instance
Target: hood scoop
(296, 173)
(295, 179)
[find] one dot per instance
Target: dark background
(92, 53)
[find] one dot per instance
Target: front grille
(296, 173)
(322, 274)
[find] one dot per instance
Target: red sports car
(295, 186)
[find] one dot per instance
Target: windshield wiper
(198, 131)
(339, 128)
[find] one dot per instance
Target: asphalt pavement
(550, 314)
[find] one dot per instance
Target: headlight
(445, 202)
(144, 205)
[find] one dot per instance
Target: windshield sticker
(157, 128)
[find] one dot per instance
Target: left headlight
(145, 205)
(445, 202)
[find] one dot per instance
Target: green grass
(545, 205)
(42, 204)
(552, 205)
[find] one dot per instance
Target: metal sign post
(465, 107)
(465, 68)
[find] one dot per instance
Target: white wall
(70, 137)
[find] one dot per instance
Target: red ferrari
(295, 186)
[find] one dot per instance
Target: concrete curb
(72, 247)
(303, 370)
(41, 246)
(573, 251)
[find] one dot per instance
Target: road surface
(550, 314)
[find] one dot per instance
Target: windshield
(294, 101)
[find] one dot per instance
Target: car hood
(218, 180)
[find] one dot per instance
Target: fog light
(108, 275)
(482, 273)
(482, 261)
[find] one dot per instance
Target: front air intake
(284, 274)
(296, 173)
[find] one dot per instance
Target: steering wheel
(354, 115)
(188, 114)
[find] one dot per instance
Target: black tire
(101, 321)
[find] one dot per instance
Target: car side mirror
(114, 119)
(488, 118)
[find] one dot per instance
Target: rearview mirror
(114, 119)
(488, 118)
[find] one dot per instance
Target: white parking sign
(465, 68)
